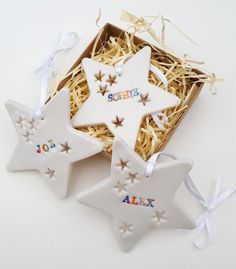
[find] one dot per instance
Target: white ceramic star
(121, 102)
(50, 145)
(146, 203)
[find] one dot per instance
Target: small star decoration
(118, 122)
(159, 217)
(111, 80)
(132, 177)
(120, 186)
(122, 164)
(99, 76)
(50, 173)
(65, 147)
(102, 89)
(144, 98)
(126, 228)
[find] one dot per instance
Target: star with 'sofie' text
(121, 101)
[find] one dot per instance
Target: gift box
(109, 46)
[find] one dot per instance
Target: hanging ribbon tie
(203, 221)
(151, 162)
(217, 199)
(64, 43)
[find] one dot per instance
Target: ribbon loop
(119, 65)
(160, 122)
(64, 43)
(160, 75)
(151, 162)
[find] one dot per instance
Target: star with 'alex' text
(139, 205)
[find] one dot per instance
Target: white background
(38, 230)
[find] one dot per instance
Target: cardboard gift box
(195, 85)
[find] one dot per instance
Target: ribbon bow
(203, 221)
(64, 43)
(217, 199)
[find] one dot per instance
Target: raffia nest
(181, 76)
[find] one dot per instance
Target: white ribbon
(160, 75)
(203, 221)
(160, 122)
(119, 70)
(151, 162)
(64, 43)
(119, 65)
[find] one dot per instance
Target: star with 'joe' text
(49, 145)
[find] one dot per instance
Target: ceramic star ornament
(122, 100)
(135, 202)
(49, 145)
